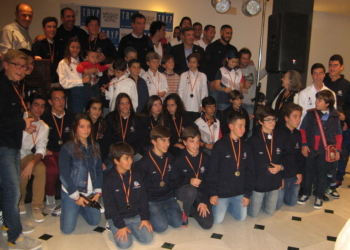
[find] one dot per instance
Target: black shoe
(301, 192)
(325, 197)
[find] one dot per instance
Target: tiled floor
(280, 231)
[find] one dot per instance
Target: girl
(70, 79)
(175, 119)
(93, 109)
(80, 173)
(228, 78)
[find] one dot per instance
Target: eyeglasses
(269, 121)
(19, 66)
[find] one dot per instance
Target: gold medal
(60, 142)
(128, 207)
(237, 173)
(179, 140)
(162, 184)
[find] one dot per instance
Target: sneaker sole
(28, 232)
(335, 197)
(33, 248)
(301, 202)
(23, 212)
(4, 234)
(317, 207)
(39, 221)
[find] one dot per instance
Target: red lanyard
(52, 51)
(109, 84)
(155, 163)
(195, 81)
(20, 97)
(178, 129)
(209, 123)
(89, 42)
(284, 98)
(199, 166)
(269, 152)
(237, 156)
(37, 133)
(127, 192)
(59, 131)
(122, 127)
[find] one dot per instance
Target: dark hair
(207, 27)
(197, 24)
(64, 9)
(166, 58)
(119, 64)
(225, 26)
(185, 18)
(288, 109)
(129, 49)
(100, 120)
(177, 28)
(327, 96)
(67, 55)
(92, 18)
(264, 111)
(159, 132)
(49, 19)
(244, 51)
(146, 111)
(137, 15)
(109, 60)
(234, 94)
(27, 52)
(118, 149)
(116, 112)
(209, 100)
(35, 95)
(233, 116)
(180, 111)
(54, 89)
(132, 61)
(231, 54)
(317, 66)
(184, 30)
(338, 58)
(156, 25)
(195, 55)
(190, 132)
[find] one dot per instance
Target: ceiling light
(251, 7)
(221, 6)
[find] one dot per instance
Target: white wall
(330, 32)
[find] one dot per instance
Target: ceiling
(339, 7)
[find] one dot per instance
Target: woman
(70, 79)
(80, 173)
(175, 119)
(287, 93)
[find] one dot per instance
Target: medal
(122, 127)
(194, 85)
(191, 95)
(179, 140)
(269, 151)
(269, 137)
(270, 165)
(60, 142)
(237, 173)
(128, 207)
(126, 192)
(162, 184)
(237, 156)
(199, 166)
(59, 131)
(178, 129)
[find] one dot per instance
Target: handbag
(91, 203)
(330, 150)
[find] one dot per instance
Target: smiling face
(135, 69)
(83, 129)
(335, 69)
(95, 111)
(226, 35)
(192, 144)
(232, 63)
(68, 19)
(124, 106)
(188, 37)
(50, 30)
(209, 34)
(161, 145)
(74, 49)
(318, 75)
(244, 60)
(24, 15)
(197, 31)
(139, 26)
(11, 70)
(37, 108)
(124, 164)
(93, 27)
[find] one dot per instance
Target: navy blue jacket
(142, 93)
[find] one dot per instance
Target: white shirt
(200, 89)
(201, 43)
(175, 41)
(210, 134)
(159, 50)
(14, 36)
(68, 75)
(121, 85)
(231, 79)
(307, 98)
(40, 136)
(156, 83)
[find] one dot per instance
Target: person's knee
(147, 238)
(124, 244)
(160, 228)
(67, 229)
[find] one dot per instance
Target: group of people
(162, 130)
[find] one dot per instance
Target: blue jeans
(342, 164)
(233, 205)
(289, 193)
(10, 191)
(77, 99)
(266, 201)
(71, 211)
(164, 213)
(142, 235)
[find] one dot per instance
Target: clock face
(251, 7)
(222, 5)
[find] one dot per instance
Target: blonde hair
(15, 53)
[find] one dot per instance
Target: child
(80, 155)
(130, 53)
(134, 67)
(236, 98)
(125, 199)
(193, 87)
(267, 146)
(312, 144)
(208, 125)
(93, 69)
(293, 160)
(156, 81)
(191, 167)
(121, 83)
(172, 78)
(155, 168)
(231, 177)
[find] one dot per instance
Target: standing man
(12, 125)
(185, 22)
(15, 35)
(215, 54)
(198, 30)
(157, 35)
(208, 36)
(137, 40)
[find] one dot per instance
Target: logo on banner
(125, 18)
(167, 18)
(89, 11)
(112, 34)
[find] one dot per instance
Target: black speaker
(287, 43)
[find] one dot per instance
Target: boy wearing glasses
(267, 146)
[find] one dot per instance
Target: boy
(155, 167)
(31, 162)
(131, 53)
(231, 175)
(293, 160)
(236, 98)
(156, 82)
(125, 200)
(134, 67)
(172, 78)
(267, 146)
(193, 87)
(312, 144)
(191, 168)
(107, 76)
(92, 68)
(208, 125)
(121, 83)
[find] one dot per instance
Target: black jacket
(169, 123)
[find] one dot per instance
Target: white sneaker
(25, 243)
(26, 229)
(50, 202)
(56, 212)
(38, 215)
(22, 208)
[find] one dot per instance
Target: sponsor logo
(278, 151)
(136, 184)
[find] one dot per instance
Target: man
(186, 22)
(15, 35)
(157, 35)
(208, 36)
(198, 30)
(137, 40)
(215, 53)
(12, 124)
(46, 48)
(31, 161)
(181, 51)
(176, 32)
(59, 121)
